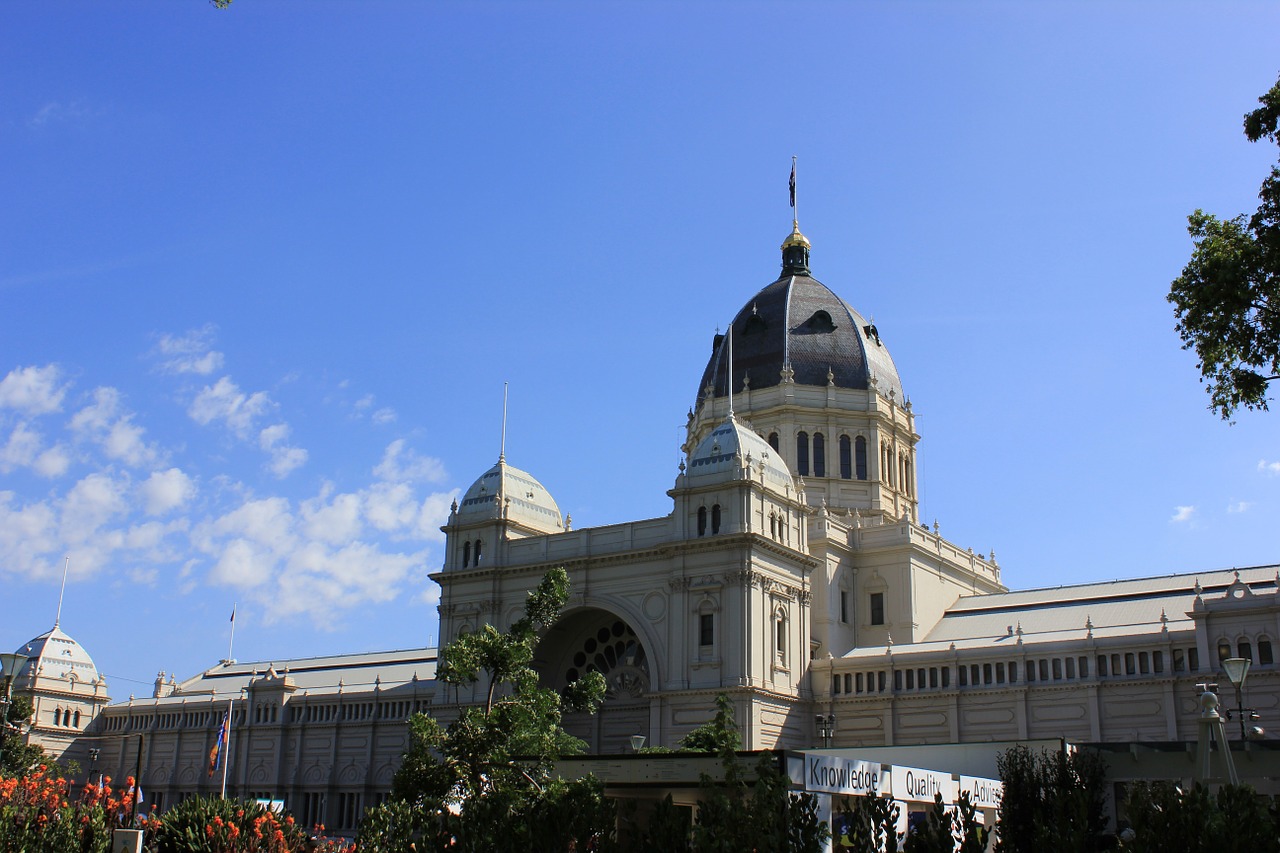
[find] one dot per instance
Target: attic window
(755, 325)
(821, 322)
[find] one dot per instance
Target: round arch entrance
(595, 640)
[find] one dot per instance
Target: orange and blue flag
(215, 754)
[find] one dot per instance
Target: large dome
(55, 655)
(506, 491)
(796, 325)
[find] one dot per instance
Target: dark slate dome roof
(798, 322)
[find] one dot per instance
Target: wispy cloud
(1269, 467)
(57, 112)
(226, 403)
(192, 352)
(1182, 514)
(1239, 506)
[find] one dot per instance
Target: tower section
(815, 380)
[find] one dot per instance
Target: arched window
(77, 724)
(715, 518)
(57, 716)
(1224, 650)
(819, 455)
(477, 552)
(802, 454)
(860, 457)
(846, 458)
(1244, 649)
(773, 530)
(702, 521)
(1265, 655)
(773, 440)
(466, 554)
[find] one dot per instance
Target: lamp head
(1237, 669)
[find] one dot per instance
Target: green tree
(869, 824)
(934, 834)
(17, 757)
(1169, 819)
(719, 735)
(485, 780)
(1051, 800)
(1227, 299)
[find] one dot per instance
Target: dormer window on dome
(820, 322)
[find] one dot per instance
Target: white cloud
(333, 521)
(1182, 514)
(385, 415)
(105, 422)
(28, 536)
(225, 402)
(402, 465)
(189, 353)
(165, 491)
(90, 504)
(53, 462)
(1239, 506)
(363, 403)
(1268, 467)
(25, 449)
(21, 450)
(33, 390)
(284, 458)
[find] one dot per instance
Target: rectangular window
(859, 682)
(975, 674)
(897, 679)
(911, 679)
(1071, 667)
(1057, 669)
(964, 676)
(933, 676)
(1000, 673)
(848, 681)
(1116, 668)
(1144, 663)
(844, 606)
(1179, 661)
(880, 680)
(1130, 665)
(877, 608)
(835, 684)
(1157, 662)
(706, 629)
(946, 677)
(1013, 673)
(1031, 671)
(1044, 670)
(1084, 667)
(1193, 659)
(986, 673)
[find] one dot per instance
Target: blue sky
(264, 272)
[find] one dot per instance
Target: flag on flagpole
(233, 607)
(793, 185)
(215, 754)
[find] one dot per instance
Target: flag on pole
(233, 607)
(215, 754)
(793, 184)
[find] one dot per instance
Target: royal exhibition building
(793, 573)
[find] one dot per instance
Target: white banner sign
(983, 793)
(835, 775)
(911, 784)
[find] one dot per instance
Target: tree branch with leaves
(1227, 299)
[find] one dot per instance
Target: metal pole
(137, 782)
(226, 747)
(1240, 710)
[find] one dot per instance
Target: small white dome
(526, 501)
(723, 453)
(55, 655)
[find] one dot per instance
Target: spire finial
(502, 450)
(729, 379)
(57, 620)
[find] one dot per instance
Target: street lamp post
(826, 724)
(10, 666)
(1237, 669)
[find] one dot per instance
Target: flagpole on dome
(57, 619)
(232, 642)
(502, 449)
(795, 211)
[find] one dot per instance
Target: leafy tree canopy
(1227, 299)
(486, 778)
